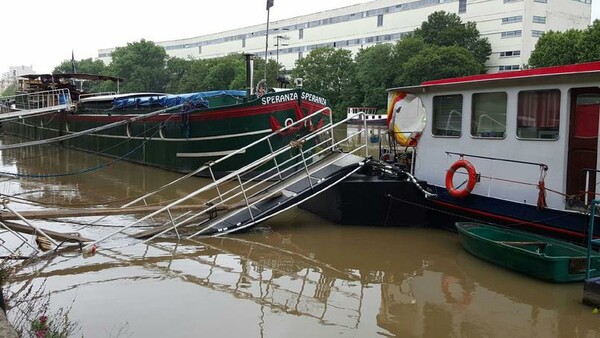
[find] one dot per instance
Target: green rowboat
(538, 256)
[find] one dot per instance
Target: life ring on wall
(471, 180)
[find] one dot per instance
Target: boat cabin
(531, 136)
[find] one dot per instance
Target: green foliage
(228, 72)
(590, 43)
(272, 71)
(330, 72)
(447, 29)
(437, 62)
(375, 72)
(10, 90)
(142, 65)
(88, 66)
(568, 47)
(557, 48)
(58, 327)
(176, 70)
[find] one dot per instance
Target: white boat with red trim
(514, 148)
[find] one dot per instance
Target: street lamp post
(278, 38)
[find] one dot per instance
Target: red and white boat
(515, 148)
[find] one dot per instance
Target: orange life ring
(472, 179)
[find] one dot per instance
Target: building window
(462, 6)
(199, 49)
(447, 115)
(301, 33)
(512, 19)
(539, 19)
(510, 53)
(509, 1)
(542, 1)
(538, 114)
(380, 20)
(510, 34)
(536, 34)
(509, 67)
(488, 116)
(244, 43)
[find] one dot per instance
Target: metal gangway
(246, 196)
(37, 103)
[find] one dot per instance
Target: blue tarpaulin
(199, 99)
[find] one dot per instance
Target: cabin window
(447, 115)
(538, 115)
(488, 118)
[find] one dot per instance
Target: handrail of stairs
(248, 191)
(590, 236)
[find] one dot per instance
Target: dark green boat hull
(534, 255)
(183, 141)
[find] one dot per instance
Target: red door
(583, 144)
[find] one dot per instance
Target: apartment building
(512, 27)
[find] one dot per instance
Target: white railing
(245, 185)
(34, 103)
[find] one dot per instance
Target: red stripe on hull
(233, 112)
(510, 219)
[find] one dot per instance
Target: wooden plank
(523, 243)
(62, 213)
(59, 236)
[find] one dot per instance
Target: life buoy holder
(471, 180)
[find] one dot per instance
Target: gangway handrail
(207, 166)
(590, 237)
(234, 175)
(234, 153)
(288, 183)
(214, 203)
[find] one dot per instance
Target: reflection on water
(296, 275)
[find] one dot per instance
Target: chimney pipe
(249, 74)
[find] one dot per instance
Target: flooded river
(296, 275)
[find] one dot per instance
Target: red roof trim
(555, 70)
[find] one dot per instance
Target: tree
(176, 70)
(437, 62)
(557, 48)
(404, 50)
(142, 65)
(10, 90)
(590, 43)
(88, 66)
(447, 29)
(330, 72)
(375, 72)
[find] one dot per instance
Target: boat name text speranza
(292, 97)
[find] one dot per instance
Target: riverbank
(6, 329)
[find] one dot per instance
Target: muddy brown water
(295, 275)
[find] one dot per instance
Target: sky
(42, 33)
